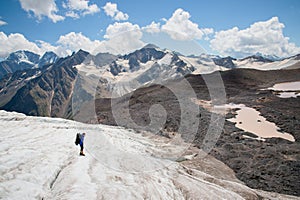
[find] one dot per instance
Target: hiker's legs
(81, 148)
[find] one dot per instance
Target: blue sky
(233, 27)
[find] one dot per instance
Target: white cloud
(122, 38)
(152, 28)
(44, 46)
(80, 7)
(117, 29)
(72, 14)
(111, 10)
(180, 27)
(265, 37)
(42, 8)
(91, 9)
(75, 41)
(207, 31)
(2, 23)
(121, 16)
(14, 42)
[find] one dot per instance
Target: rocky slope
(272, 165)
(41, 92)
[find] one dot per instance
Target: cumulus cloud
(180, 27)
(14, 42)
(122, 38)
(117, 29)
(264, 37)
(45, 46)
(152, 28)
(75, 41)
(46, 8)
(79, 8)
(65, 45)
(111, 10)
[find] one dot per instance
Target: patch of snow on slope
(34, 76)
(124, 63)
(166, 60)
(265, 66)
(128, 76)
(89, 69)
(22, 57)
(203, 66)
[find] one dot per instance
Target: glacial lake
(287, 90)
(250, 120)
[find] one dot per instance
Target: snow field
(39, 160)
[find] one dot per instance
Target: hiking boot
(81, 154)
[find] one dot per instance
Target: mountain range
(43, 85)
(22, 60)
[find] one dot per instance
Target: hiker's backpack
(77, 140)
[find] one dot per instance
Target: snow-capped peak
(24, 56)
(166, 60)
(269, 57)
(48, 58)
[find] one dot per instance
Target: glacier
(39, 160)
